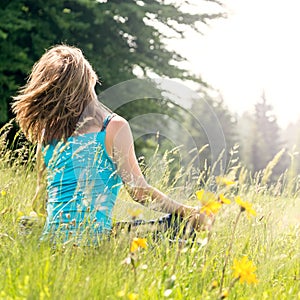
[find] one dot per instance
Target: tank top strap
(106, 121)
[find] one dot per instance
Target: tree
(267, 135)
(211, 123)
(292, 136)
(247, 133)
(116, 36)
(260, 138)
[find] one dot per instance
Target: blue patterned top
(82, 186)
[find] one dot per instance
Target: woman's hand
(200, 221)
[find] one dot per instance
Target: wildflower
(224, 294)
(224, 181)
(133, 296)
(20, 214)
(214, 284)
(211, 208)
(223, 199)
(138, 243)
(3, 193)
(134, 213)
(205, 196)
(244, 270)
(245, 206)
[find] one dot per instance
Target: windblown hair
(59, 88)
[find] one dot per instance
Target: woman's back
(82, 185)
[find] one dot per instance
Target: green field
(163, 270)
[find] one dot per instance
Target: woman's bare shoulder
(118, 119)
(117, 123)
(118, 133)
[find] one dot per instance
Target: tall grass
(31, 269)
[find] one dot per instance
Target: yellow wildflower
(244, 270)
(211, 208)
(205, 196)
(20, 214)
(214, 284)
(133, 296)
(138, 243)
(224, 294)
(224, 181)
(223, 199)
(3, 193)
(245, 206)
(135, 212)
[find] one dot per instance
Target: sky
(255, 50)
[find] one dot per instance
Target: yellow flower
(224, 181)
(211, 208)
(244, 270)
(138, 243)
(20, 214)
(135, 212)
(224, 294)
(133, 296)
(214, 284)
(223, 199)
(205, 196)
(245, 206)
(3, 193)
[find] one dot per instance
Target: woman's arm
(120, 146)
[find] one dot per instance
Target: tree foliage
(261, 140)
(116, 36)
(212, 124)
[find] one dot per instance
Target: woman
(87, 151)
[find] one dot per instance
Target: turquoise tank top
(82, 186)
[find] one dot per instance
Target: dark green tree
(116, 36)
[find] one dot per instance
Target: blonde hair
(59, 88)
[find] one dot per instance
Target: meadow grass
(31, 269)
